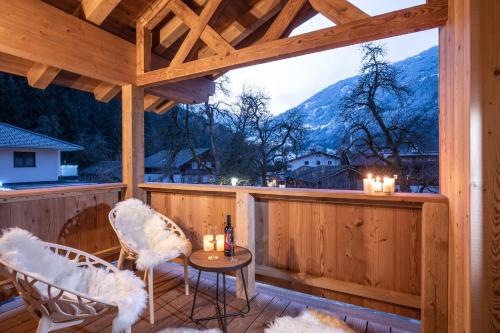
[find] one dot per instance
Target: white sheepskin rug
(309, 322)
(146, 233)
(27, 253)
(189, 330)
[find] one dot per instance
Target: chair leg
(43, 325)
(120, 259)
(186, 275)
(151, 298)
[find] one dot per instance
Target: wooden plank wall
(367, 245)
(196, 214)
(370, 253)
(73, 216)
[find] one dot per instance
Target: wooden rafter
(172, 31)
(96, 11)
(193, 91)
(38, 32)
(338, 11)
(246, 24)
(165, 107)
(195, 31)
(283, 20)
(382, 26)
(151, 102)
(105, 92)
(40, 76)
(208, 35)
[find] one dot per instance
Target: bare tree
(379, 123)
(274, 137)
(213, 112)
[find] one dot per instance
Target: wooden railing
(387, 252)
(76, 216)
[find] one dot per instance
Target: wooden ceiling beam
(96, 11)
(151, 102)
(246, 24)
(105, 92)
(172, 31)
(281, 23)
(165, 107)
(195, 32)
(40, 76)
(338, 11)
(382, 26)
(154, 14)
(209, 35)
(192, 91)
(41, 33)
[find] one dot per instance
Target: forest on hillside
(246, 140)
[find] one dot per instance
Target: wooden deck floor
(173, 309)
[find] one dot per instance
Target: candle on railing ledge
(208, 243)
(368, 184)
(219, 240)
(377, 185)
(388, 185)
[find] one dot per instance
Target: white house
(26, 156)
(313, 159)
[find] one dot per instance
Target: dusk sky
(291, 81)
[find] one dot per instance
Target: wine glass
(232, 258)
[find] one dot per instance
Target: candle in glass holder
(368, 184)
(208, 243)
(377, 185)
(219, 240)
(388, 185)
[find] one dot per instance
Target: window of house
(194, 165)
(208, 164)
(306, 162)
(329, 162)
(23, 159)
(318, 162)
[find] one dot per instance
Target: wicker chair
(127, 252)
(55, 307)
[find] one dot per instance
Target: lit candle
(219, 239)
(388, 186)
(368, 184)
(377, 185)
(208, 243)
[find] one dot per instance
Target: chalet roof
(15, 137)
(311, 153)
(313, 174)
(159, 159)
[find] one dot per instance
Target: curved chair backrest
(131, 252)
(59, 304)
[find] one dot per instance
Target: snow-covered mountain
(320, 112)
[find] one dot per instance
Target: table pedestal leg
(222, 317)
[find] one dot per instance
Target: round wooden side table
(213, 261)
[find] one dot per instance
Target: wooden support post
(245, 236)
(133, 140)
(434, 301)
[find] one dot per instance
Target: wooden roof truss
(179, 46)
(352, 26)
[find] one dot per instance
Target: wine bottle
(228, 238)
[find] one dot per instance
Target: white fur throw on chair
(147, 234)
(309, 321)
(27, 253)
